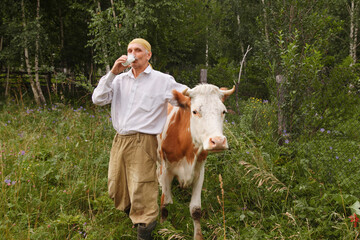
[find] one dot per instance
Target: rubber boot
(144, 232)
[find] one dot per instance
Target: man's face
(142, 56)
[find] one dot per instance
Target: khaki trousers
(132, 181)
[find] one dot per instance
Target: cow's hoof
(164, 214)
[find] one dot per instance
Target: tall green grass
(53, 164)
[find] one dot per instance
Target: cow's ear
(226, 93)
(182, 100)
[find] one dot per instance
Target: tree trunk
(104, 46)
(27, 61)
(37, 81)
(237, 84)
(353, 29)
(265, 23)
(7, 82)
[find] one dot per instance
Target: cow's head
(207, 112)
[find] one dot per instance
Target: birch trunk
(37, 81)
(265, 22)
(104, 46)
(27, 61)
(353, 8)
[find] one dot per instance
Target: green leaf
(355, 208)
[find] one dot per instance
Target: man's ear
(182, 100)
(149, 54)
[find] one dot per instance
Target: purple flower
(337, 157)
(7, 181)
(22, 152)
(349, 159)
(287, 141)
(331, 148)
(328, 131)
(322, 130)
(13, 182)
(233, 123)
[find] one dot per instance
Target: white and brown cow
(191, 131)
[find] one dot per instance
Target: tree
(35, 85)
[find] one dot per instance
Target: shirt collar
(147, 71)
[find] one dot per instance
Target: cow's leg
(165, 179)
(195, 204)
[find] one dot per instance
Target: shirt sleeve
(172, 84)
(103, 93)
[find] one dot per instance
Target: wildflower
(337, 157)
(287, 141)
(13, 182)
(67, 138)
(233, 123)
(7, 181)
(354, 219)
(349, 159)
(247, 152)
(22, 152)
(328, 131)
(331, 148)
(265, 101)
(322, 130)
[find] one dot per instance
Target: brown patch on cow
(202, 156)
(162, 199)
(178, 142)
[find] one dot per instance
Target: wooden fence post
(280, 80)
(203, 76)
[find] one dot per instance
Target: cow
(192, 130)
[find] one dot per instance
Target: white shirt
(137, 104)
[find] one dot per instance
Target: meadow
(53, 171)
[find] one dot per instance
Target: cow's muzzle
(218, 143)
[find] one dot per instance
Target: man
(138, 111)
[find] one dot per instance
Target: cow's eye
(195, 112)
(224, 111)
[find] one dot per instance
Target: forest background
(292, 127)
